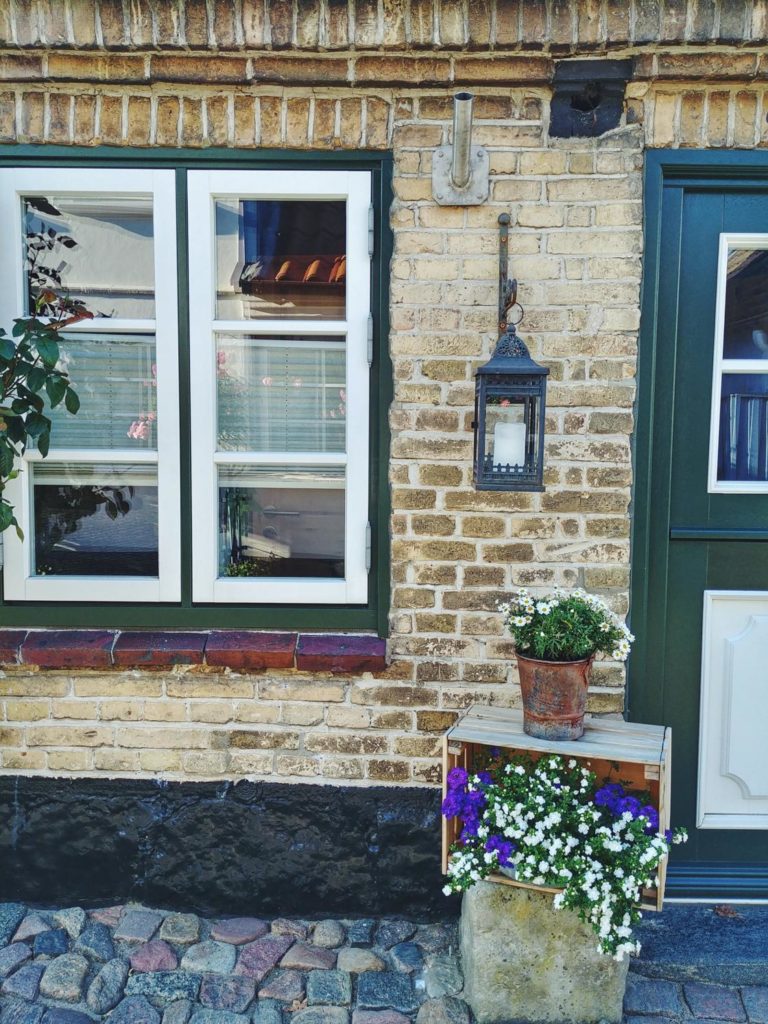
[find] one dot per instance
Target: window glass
(281, 394)
(95, 520)
(97, 250)
(115, 376)
(284, 521)
(745, 332)
(280, 258)
(743, 441)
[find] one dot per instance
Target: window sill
(248, 650)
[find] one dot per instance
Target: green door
(700, 545)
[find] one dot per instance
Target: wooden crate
(637, 755)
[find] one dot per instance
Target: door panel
(693, 546)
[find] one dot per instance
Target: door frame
(725, 170)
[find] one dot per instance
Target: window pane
(282, 394)
(281, 521)
(511, 444)
(115, 376)
(745, 334)
(280, 258)
(743, 448)
(97, 250)
(95, 520)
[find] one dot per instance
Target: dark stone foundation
(222, 848)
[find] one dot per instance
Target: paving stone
(321, 1015)
(359, 961)
(239, 930)
(308, 958)
(16, 1011)
(716, 1002)
(12, 957)
(389, 933)
(267, 1011)
(164, 987)
(60, 1015)
(109, 916)
(72, 919)
(155, 955)
(379, 1017)
(106, 989)
(360, 932)
(52, 943)
(650, 995)
(11, 916)
(138, 925)
(328, 934)
(445, 1010)
(25, 982)
(407, 957)
(329, 988)
(96, 942)
(385, 990)
(134, 1010)
(232, 993)
(285, 926)
(63, 978)
(180, 929)
(443, 976)
(209, 958)
(217, 1017)
(285, 986)
(32, 925)
(178, 1012)
(434, 938)
(755, 1001)
(257, 958)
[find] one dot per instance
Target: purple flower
(457, 777)
(502, 848)
(485, 777)
(668, 835)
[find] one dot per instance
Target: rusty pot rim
(545, 661)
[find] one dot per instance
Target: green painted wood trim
(704, 534)
(371, 616)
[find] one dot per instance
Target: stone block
(524, 960)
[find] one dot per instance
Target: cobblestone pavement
(134, 965)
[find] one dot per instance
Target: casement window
(249, 483)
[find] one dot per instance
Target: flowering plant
(565, 627)
(550, 822)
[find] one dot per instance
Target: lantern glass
(509, 435)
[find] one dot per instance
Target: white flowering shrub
(550, 823)
(565, 626)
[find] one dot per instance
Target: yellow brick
(116, 760)
(68, 736)
(348, 718)
(165, 711)
(83, 710)
(118, 686)
(295, 764)
(250, 762)
(301, 714)
(211, 711)
(23, 760)
(122, 710)
(166, 739)
(34, 686)
(210, 686)
(160, 760)
(210, 762)
(26, 710)
(549, 162)
(309, 690)
(69, 760)
(342, 768)
(261, 714)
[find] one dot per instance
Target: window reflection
(743, 449)
(745, 334)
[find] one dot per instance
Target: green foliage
(565, 626)
(250, 567)
(31, 382)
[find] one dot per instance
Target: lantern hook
(507, 285)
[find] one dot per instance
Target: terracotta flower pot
(554, 697)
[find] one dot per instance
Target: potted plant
(556, 639)
(550, 822)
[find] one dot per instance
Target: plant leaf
(71, 401)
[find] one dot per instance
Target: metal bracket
(369, 338)
(371, 232)
(445, 193)
(368, 537)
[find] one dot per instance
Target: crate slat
(636, 754)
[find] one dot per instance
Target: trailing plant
(549, 822)
(31, 379)
(565, 626)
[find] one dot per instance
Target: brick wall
(325, 75)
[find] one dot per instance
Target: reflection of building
(314, 428)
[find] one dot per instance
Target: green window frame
(186, 613)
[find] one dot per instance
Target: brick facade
(321, 75)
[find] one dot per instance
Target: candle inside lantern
(509, 444)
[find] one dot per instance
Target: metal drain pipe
(462, 139)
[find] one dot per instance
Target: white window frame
(159, 185)
(721, 365)
(204, 187)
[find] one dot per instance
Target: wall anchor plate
(475, 192)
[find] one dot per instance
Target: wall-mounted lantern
(510, 401)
